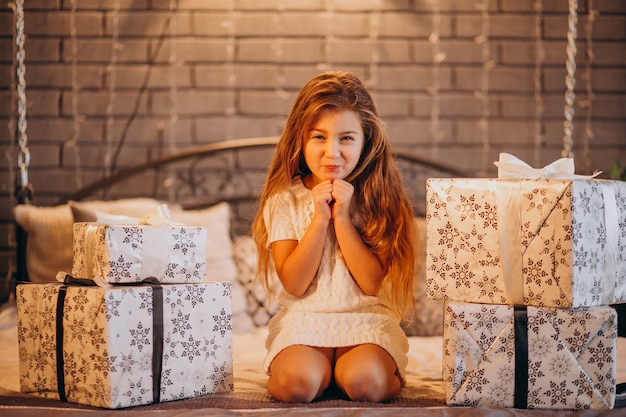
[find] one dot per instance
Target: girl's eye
(347, 138)
(318, 137)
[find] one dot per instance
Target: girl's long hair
(380, 199)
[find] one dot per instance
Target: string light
(435, 90)
(173, 84)
(112, 81)
(539, 57)
(143, 88)
(231, 77)
(279, 50)
(483, 124)
(76, 118)
(329, 38)
(374, 33)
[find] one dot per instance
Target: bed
(215, 186)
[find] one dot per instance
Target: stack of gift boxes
(528, 268)
(135, 323)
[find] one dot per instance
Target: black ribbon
(620, 395)
(157, 331)
(521, 357)
(60, 360)
(157, 336)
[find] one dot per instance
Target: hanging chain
(570, 81)
(588, 137)
(23, 189)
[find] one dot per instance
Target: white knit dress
(333, 312)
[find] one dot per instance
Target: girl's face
(333, 145)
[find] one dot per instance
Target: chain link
(23, 158)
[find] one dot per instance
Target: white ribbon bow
(155, 246)
(159, 215)
(509, 220)
(510, 166)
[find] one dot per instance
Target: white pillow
(220, 265)
(427, 319)
(219, 247)
(258, 305)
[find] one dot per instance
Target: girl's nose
(332, 148)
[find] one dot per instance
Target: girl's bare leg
(366, 373)
(300, 373)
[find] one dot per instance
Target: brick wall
(456, 80)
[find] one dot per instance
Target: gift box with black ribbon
(529, 357)
(543, 237)
(117, 346)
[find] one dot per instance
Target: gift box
(124, 345)
(544, 242)
(529, 357)
(171, 253)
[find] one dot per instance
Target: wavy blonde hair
(381, 201)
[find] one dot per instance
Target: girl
(335, 225)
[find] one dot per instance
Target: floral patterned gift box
(174, 254)
(543, 242)
(124, 345)
(529, 357)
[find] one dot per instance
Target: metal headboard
(232, 171)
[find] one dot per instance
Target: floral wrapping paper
(108, 342)
(553, 243)
(173, 254)
(571, 357)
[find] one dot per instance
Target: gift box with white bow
(117, 346)
(529, 357)
(549, 238)
(130, 250)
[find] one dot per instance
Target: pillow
(220, 265)
(85, 211)
(427, 319)
(50, 233)
(49, 244)
(219, 247)
(258, 306)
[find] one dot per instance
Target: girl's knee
(300, 374)
(372, 386)
(367, 373)
(296, 386)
